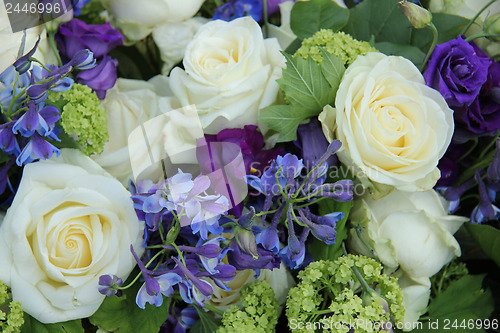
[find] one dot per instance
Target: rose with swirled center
(393, 128)
(70, 222)
(230, 74)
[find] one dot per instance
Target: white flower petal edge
(394, 129)
(411, 233)
(69, 223)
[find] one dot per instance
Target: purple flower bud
(246, 220)
(83, 60)
(24, 63)
(107, 284)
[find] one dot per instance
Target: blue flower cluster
(239, 8)
(285, 187)
(28, 124)
(183, 251)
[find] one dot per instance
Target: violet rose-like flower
(76, 35)
(483, 115)
(457, 71)
(100, 78)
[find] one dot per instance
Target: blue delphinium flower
(291, 192)
(239, 8)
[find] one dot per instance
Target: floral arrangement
(251, 166)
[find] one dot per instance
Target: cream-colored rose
(230, 74)
(129, 104)
(279, 279)
(137, 19)
(10, 42)
(393, 128)
(172, 39)
(409, 231)
(70, 222)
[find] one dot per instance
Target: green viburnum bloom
(83, 117)
(259, 313)
(11, 314)
(337, 43)
(331, 297)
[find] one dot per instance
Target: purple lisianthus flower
(251, 142)
(457, 71)
(483, 115)
(76, 35)
(100, 78)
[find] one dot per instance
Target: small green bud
(418, 16)
(246, 241)
(492, 25)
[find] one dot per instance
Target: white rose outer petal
(69, 223)
(230, 74)
(394, 128)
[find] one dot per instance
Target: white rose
(230, 74)
(411, 231)
(70, 222)
(172, 39)
(279, 279)
(10, 42)
(129, 104)
(393, 128)
(136, 19)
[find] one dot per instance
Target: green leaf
(285, 119)
(333, 69)
(205, 324)
(382, 19)
(318, 249)
(462, 300)
(413, 53)
(488, 239)
(304, 84)
(123, 314)
(310, 16)
(31, 325)
(448, 27)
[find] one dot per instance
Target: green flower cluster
(337, 43)
(82, 116)
(336, 296)
(259, 314)
(11, 314)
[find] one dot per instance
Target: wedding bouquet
(249, 166)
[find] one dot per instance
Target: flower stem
(481, 34)
(213, 309)
(477, 15)
(433, 45)
(53, 46)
